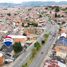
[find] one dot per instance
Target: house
(1, 59)
(18, 38)
(61, 48)
(53, 63)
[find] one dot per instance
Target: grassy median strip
(35, 50)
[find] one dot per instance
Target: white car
(8, 60)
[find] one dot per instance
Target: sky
(20, 1)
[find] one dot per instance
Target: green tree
(40, 16)
(33, 53)
(46, 35)
(25, 65)
(24, 34)
(22, 24)
(8, 14)
(57, 9)
(37, 45)
(34, 24)
(55, 14)
(63, 22)
(59, 15)
(17, 47)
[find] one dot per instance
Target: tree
(55, 14)
(59, 24)
(62, 16)
(17, 47)
(40, 16)
(25, 65)
(60, 30)
(59, 15)
(37, 45)
(8, 14)
(46, 35)
(57, 9)
(33, 52)
(63, 22)
(22, 24)
(34, 24)
(24, 34)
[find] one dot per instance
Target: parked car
(60, 59)
(8, 61)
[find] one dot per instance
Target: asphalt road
(38, 60)
(21, 59)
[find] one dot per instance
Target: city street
(38, 60)
(36, 63)
(27, 26)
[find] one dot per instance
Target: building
(1, 59)
(61, 48)
(63, 34)
(19, 38)
(53, 63)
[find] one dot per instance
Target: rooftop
(17, 36)
(62, 40)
